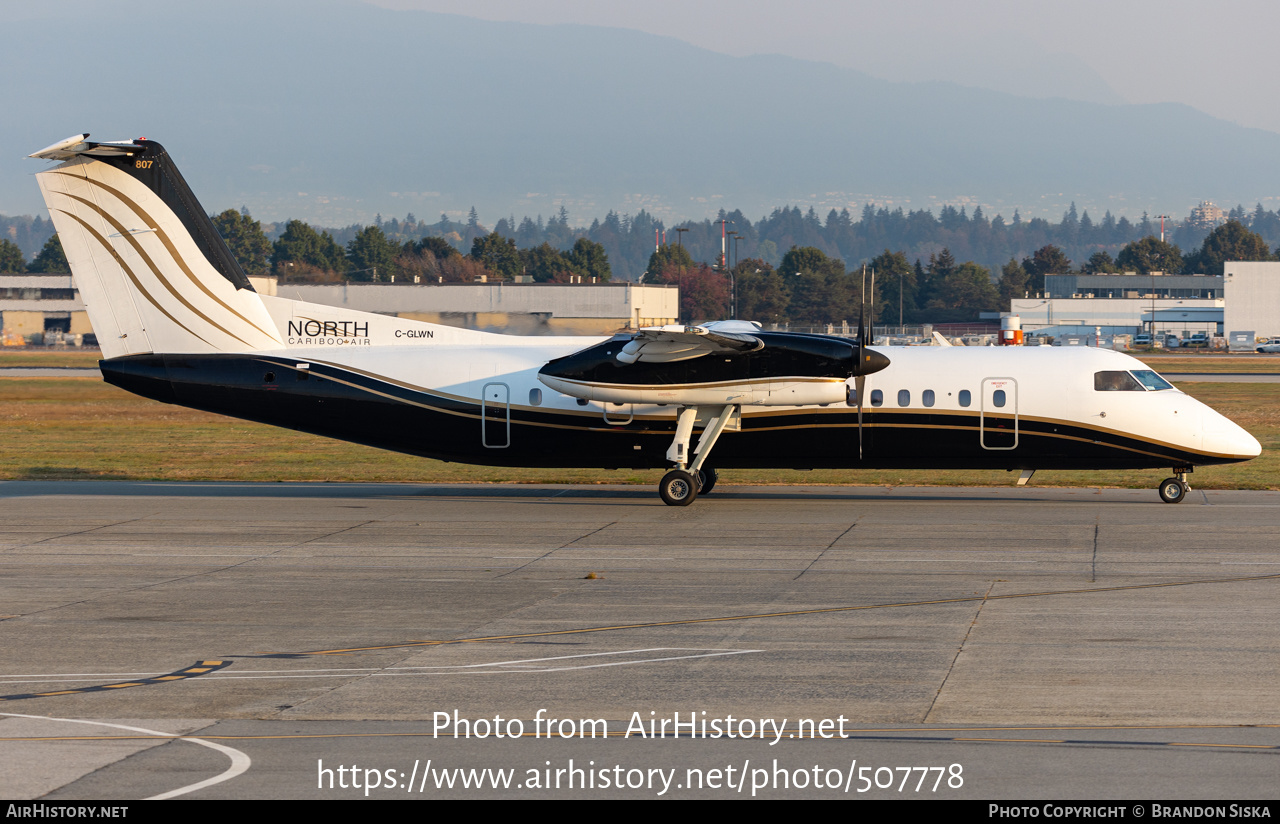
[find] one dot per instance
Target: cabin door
(998, 414)
(495, 416)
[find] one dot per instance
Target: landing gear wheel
(678, 488)
(1172, 490)
(707, 477)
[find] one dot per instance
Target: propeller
(860, 382)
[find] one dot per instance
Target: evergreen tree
(546, 264)
(1099, 263)
(667, 257)
(11, 259)
(897, 286)
(1047, 260)
(300, 247)
(498, 254)
(1013, 281)
(246, 240)
(437, 247)
(372, 256)
(963, 294)
(1151, 254)
(1230, 241)
(763, 293)
(51, 260)
(590, 259)
(821, 292)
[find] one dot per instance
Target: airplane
(178, 321)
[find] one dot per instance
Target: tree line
(920, 278)
(301, 253)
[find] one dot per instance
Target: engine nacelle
(787, 370)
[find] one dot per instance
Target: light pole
(901, 281)
(1163, 218)
(723, 239)
(680, 230)
(732, 282)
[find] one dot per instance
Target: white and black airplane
(178, 321)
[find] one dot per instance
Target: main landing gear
(1173, 490)
(682, 485)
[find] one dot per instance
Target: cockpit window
(1151, 380)
(1116, 382)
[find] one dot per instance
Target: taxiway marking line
(239, 761)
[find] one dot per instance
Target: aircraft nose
(1225, 437)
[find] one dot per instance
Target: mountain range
(332, 111)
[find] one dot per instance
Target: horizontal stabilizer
(81, 145)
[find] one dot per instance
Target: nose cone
(869, 361)
(1224, 437)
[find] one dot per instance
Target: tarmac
(205, 640)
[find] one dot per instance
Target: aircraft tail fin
(154, 273)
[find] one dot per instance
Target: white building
(515, 308)
(1253, 298)
(1118, 316)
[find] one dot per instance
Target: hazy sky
(1219, 57)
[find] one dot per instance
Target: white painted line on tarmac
(516, 665)
(526, 665)
(239, 761)
(945, 561)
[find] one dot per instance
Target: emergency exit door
(495, 416)
(998, 414)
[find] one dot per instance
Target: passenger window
(997, 398)
(926, 397)
(1116, 382)
(965, 397)
(904, 397)
(877, 397)
(535, 397)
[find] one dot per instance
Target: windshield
(1151, 380)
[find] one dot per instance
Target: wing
(668, 344)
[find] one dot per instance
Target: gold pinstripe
(137, 247)
(132, 277)
(168, 244)
(960, 413)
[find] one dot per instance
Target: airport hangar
(37, 309)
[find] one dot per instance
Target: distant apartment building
(1206, 216)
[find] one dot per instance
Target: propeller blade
(862, 310)
(860, 383)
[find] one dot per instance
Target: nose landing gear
(1173, 490)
